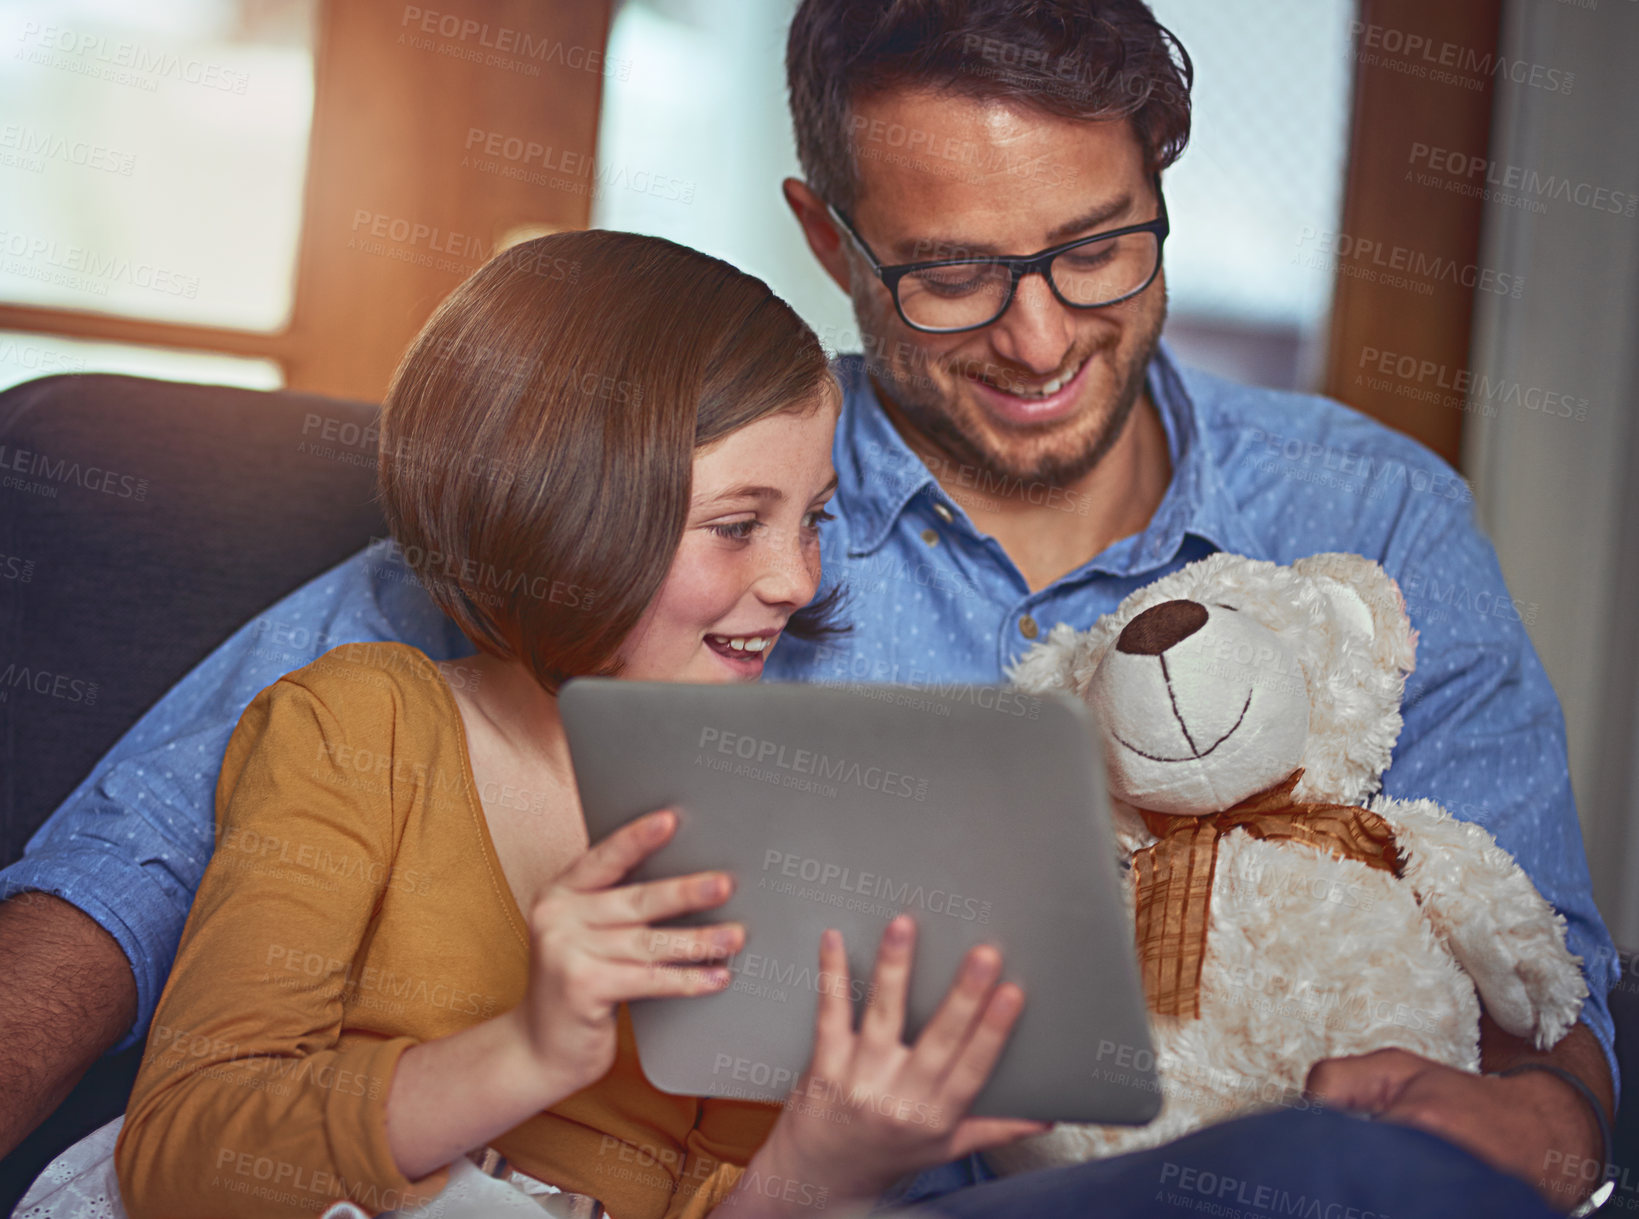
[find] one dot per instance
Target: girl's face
(749, 557)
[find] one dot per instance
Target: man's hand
(68, 996)
(1532, 1125)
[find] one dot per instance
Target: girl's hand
(870, 1108)
(592, 948)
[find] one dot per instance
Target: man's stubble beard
(899, 370)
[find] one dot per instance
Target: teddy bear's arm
(1508, 939)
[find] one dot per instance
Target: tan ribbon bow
(1174, 877)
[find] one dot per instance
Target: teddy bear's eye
(1231, 608)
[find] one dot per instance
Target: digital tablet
(978, 810)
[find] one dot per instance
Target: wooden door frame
(1407, 250)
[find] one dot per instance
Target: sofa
(141, 523)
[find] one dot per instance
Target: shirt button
(944, 513)
(930, 537)
(1027, 627)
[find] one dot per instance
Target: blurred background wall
(277, 192)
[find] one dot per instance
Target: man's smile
(1024, 386)
(1017, 403)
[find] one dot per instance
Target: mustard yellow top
(354, 907)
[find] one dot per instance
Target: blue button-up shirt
(1257, 472)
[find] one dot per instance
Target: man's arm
(69, 996)
(1580, 1053)
(1484, 736)
(1532, 1125)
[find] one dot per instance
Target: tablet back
(978, 810)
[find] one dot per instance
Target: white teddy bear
(1294, 925)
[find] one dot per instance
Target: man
(1018, 449)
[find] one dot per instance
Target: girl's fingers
(944, 1036)
(628, 982)
(884, 1023)
(834, 1019)
(971, 1067)
(606, 862)
(979, 1133)
(667, 945)
(655, 900)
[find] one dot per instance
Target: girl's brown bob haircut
(538, 439)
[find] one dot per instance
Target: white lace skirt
(80, 1184)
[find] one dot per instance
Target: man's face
(1044, 392)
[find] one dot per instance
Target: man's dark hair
(1087, 59)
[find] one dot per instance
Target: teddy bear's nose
(1161, 626)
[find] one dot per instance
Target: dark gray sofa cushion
(141, 523)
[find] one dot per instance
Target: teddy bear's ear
(1366, 598)
(1350, 606)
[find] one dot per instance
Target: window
(1265, 165)
(25, 356)
(154, 157)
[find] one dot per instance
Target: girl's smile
(749, 557)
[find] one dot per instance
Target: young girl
(604, 454)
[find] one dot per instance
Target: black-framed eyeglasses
(948, 295)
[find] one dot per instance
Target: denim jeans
(1317, 1163)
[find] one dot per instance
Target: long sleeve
(251, 1101)
(1484, 735)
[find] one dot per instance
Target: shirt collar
(1196, 502)
(878, 475)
